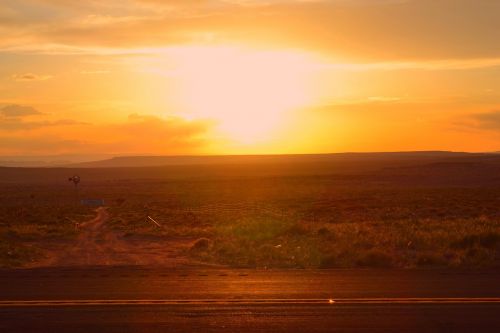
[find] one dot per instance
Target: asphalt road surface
(138, 299)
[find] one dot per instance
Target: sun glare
(248, 93)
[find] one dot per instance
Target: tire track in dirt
(98, 245)
(90, 247)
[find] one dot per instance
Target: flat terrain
(254, 244)
(97, 244)
(394, 210)
(146, 299)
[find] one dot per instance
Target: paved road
(136, 299)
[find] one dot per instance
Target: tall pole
(76, 180)
(76, 193)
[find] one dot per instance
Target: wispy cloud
(90, 72)
(430, 65)
(488, 120)
(15, 111)
(21, 117)
(15, 124)
(30, 77)
(138, 134)
(379, 30)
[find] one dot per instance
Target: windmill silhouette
(76, 180)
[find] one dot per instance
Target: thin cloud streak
(447, 64)
(355, 28)
(30, 77)
(138, 134)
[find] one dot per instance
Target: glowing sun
(247, 92)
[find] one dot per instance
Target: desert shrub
(323, 231)
(477, 257)
(330, 261)
(120, 201)
(202, 244)
(297, 229)
(430, 260)
(485, 239)
(254, 229)
(15, 254)
(234, 254)
(375, 258)
(489, 239)
(11, 235)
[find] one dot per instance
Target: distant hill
(48, 160)
(396, 168)
(30, 163)
(149, 161)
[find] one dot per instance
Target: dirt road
(97, 244)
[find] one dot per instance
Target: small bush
(297, 229)
(14, 255)
(202, 244)
(477, 257)
(430, 260)
(323, 231)
(489, 240)
(486, 239)
(329, 261)
(375, 258)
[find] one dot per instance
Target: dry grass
(310, 223)
(301, 221)
(33, 214)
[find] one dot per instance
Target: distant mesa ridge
(147, 161)
(157, 161)
(397, 168)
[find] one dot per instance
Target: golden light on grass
(248, 93)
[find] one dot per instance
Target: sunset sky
(248, 76)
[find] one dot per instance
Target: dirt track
(97, 244)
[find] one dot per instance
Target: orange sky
(248, 76)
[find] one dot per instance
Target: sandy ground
(98, 245)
